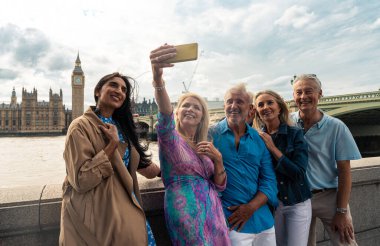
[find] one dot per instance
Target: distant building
(77, 89)
(33, 116)
(216, 104)
(145, 108)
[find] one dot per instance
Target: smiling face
(267, 108)
(111, 96)
(236, 107)
(306, 95)
(189, 113)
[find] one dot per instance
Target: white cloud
(296, 16)
(263, 43)
(376, 24)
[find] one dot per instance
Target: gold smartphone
(185, 52)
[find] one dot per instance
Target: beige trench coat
(98, 207)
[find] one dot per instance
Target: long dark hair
(123, 116)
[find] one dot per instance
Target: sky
(261, 43)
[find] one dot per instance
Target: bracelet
(222, 172)
(341, 210)
(159, 88)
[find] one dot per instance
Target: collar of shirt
(224, 128)
(319, 124)
(107, 119)
(282, 129)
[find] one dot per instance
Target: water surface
(28, 161)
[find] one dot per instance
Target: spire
(78, 68)
(77, 61)
(13, 98)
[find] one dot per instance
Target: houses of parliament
(33, 117)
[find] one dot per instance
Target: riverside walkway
(31, 215)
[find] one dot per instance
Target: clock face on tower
(77, 80)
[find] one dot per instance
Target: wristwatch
(341, 210)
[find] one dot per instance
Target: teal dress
(151, 241)
(193, 210)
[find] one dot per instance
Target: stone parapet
(31, 215)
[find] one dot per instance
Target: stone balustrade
(31, 215)
(358, 97)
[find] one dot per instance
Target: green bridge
(359, 111)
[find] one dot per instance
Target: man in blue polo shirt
(331, 147)
(251, 181)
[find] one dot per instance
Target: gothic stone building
(77, 89)
(145, 108)
(39, 117)
(31, 115)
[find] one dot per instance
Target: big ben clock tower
(77, 85)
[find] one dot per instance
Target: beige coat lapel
(130, 183)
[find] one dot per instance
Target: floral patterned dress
(193, 211)
(151, 241)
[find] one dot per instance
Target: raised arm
(157, 59)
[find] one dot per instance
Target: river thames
(29, 161)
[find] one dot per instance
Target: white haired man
(331, 147)
(251, 181)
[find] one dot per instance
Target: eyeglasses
(310, 75)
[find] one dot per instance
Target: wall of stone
(30, 216)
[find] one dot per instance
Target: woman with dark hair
(192, 168)
(101, 199)
(290, 159)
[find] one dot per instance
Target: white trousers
(292, 224)
(264, 238)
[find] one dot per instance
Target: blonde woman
(192, 168)
(290, 159)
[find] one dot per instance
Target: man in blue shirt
(331, 147)
(251, 181)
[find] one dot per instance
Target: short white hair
(241, 87)
(309, 76)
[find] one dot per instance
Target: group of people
(261, 176)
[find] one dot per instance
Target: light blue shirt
(329, 141)
(249, 170)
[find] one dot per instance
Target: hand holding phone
(185, 52)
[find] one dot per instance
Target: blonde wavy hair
(202, 129)
(284, 111)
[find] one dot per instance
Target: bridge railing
(347, 98)
(217, 114)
